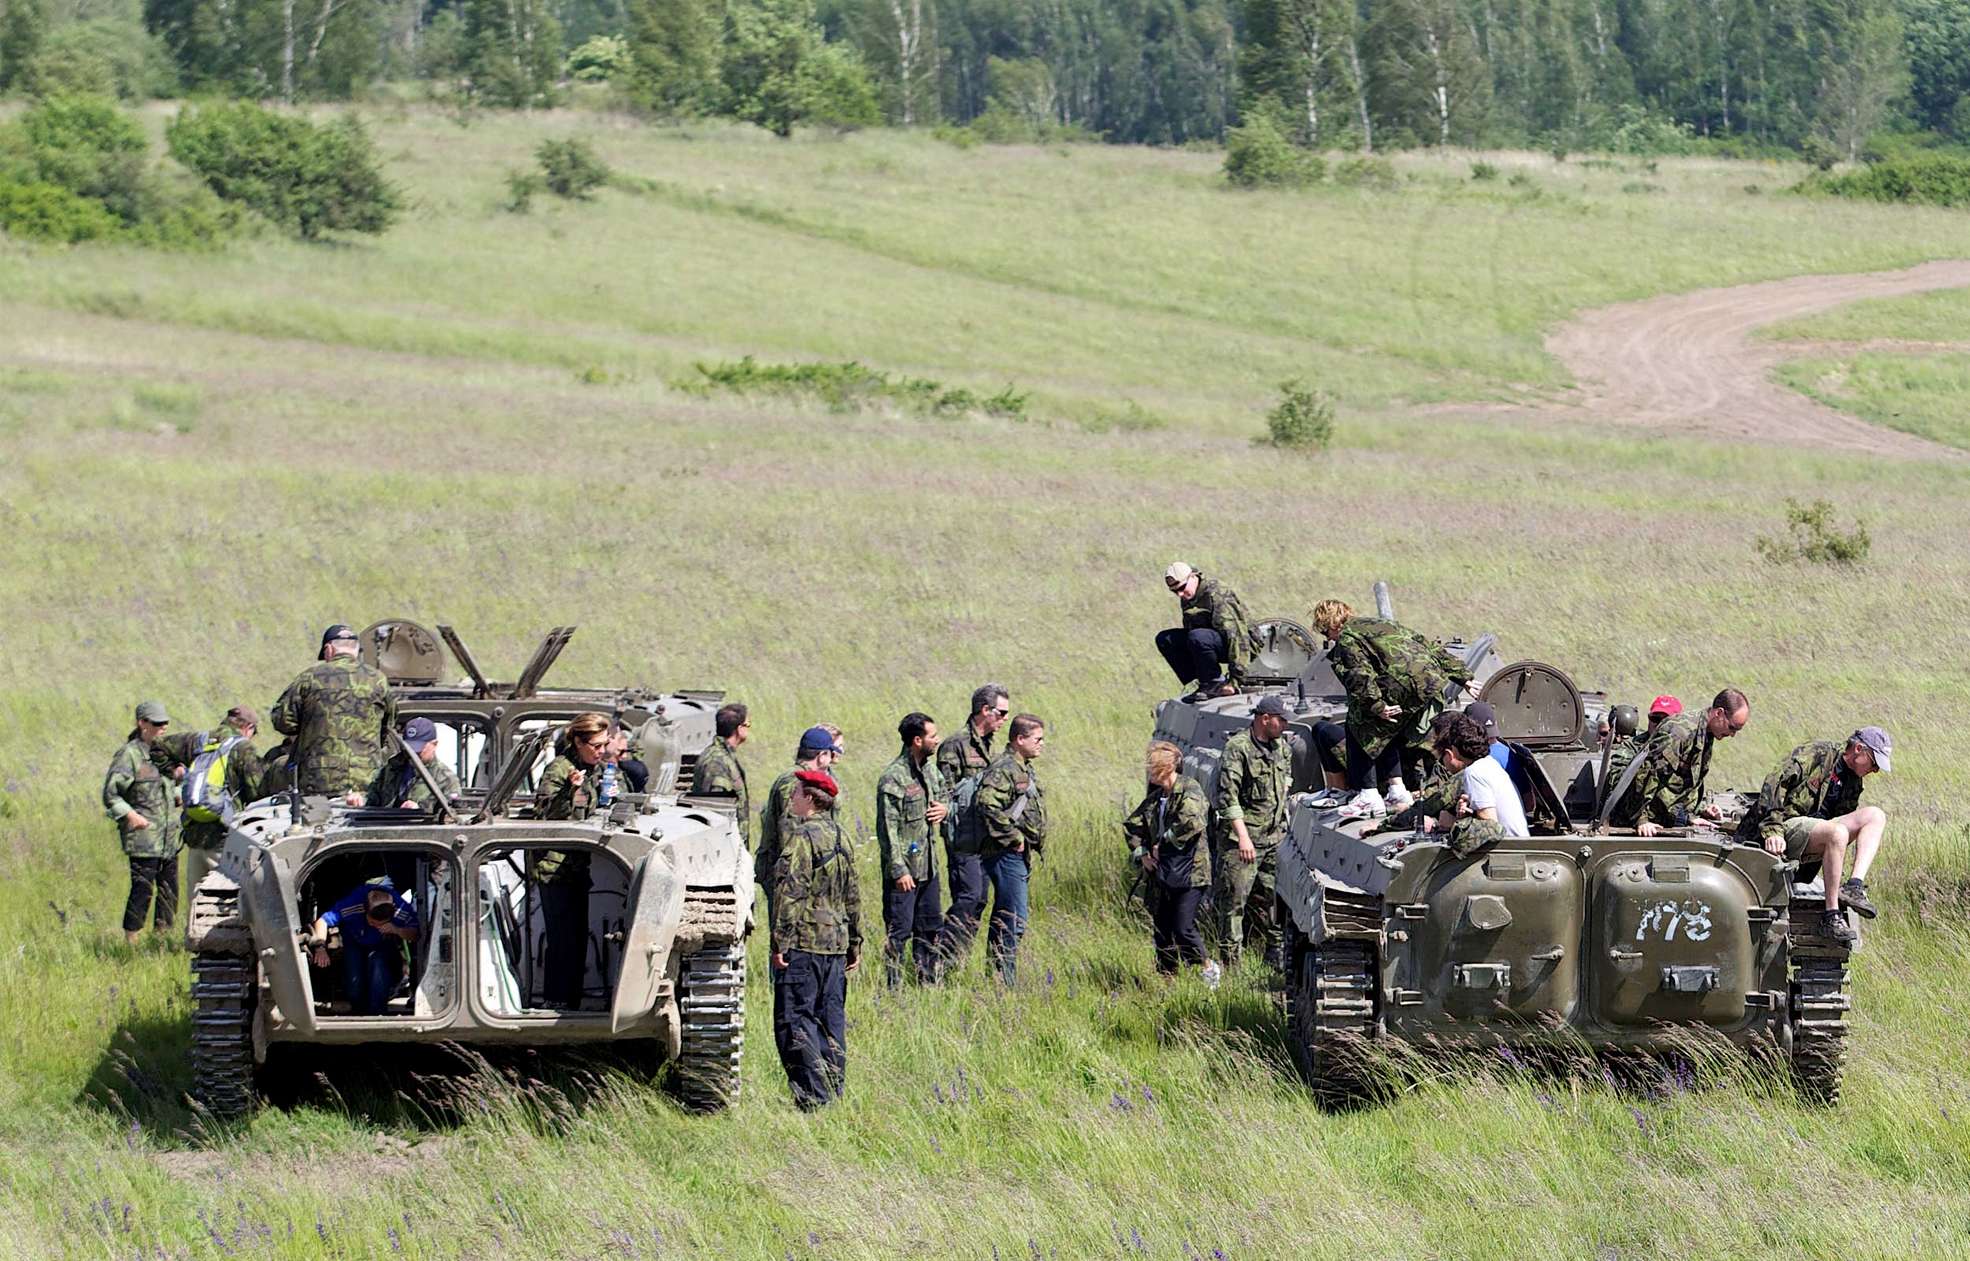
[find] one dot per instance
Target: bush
(1482, 171)
(87, 146)
(1814, 537)
(305, 177)
(851, 385)
(47, 212)
(602, 58)
(570, 168)
(1928, 179)
(1302, 420)
(1366, 172)
(1258, 154)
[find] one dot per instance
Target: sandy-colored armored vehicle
(662, 924)
(1581, 935)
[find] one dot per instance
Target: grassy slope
(210, 458)
(1921, 387)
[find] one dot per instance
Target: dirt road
(1688, 363)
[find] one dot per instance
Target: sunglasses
(1001, 712)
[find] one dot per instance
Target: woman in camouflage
(568, 791)
(1166, 835)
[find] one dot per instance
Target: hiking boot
(1834, 926)
(1853, 896)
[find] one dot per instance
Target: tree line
(1638, 75)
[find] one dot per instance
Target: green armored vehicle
(1581, 934)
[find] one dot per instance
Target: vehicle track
(1688, 362)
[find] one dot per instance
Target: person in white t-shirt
(1490, 808)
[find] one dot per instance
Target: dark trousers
(967, 875)
(810, 1025)
(1329, 739)
(1367, 772)
(1173, 923)
(1194, 655)
(148, 876)
(564, 910)
(916, 916)
(370, 974)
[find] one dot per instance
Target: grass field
(208, 459)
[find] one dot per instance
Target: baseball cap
(818, 740)
(419, 732)
(819, 781)
(1270, 703)
(1666, 705)
(1877, 743)
(1178, 573)
(1481, 713)
(153, 712)
(340, 630)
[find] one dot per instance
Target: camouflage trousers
(1242, 895)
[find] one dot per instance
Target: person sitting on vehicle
(1488, 809)
(374, 919)
(399, 786)
(1810, 811)
(1485, 716)
(1396, 682)
(1668, 785)
(1627, 748)
(1213, 647)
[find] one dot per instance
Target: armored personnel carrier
(1580, 934)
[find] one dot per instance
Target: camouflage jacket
(559, 797)
(338, 712)
(774, 822)
(398, 785)
(1172, 824)
(1011, 807)
(1813, 781)
(135, 783)
(1381, 663)
(1669, 783)
(243, 775)
(1254, 781)
(817, 905)
(903, 795)
(719, 774)
(1217, 607)
(1624, 751)
(958, 758)
(1471, 834)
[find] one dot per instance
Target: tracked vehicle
(663, 931)
(1581, 934)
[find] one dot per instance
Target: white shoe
(1367, 804)
(1213, 973)
(1399, 798)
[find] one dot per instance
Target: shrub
(1302, 420)
(87, 146)
(1366, 172)
(602, 58)
(1258, 154)
(520, 189)
(1482, 171)
(305, 177)
(570, 168)
(1814, 537)
(851, 385)
(48, 212)
(1927, 179)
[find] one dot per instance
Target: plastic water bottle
(608, 790)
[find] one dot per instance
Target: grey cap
(1271, 703)
(153, 712)
(1877, 743)
(1481, 713)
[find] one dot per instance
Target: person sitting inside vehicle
(399, 785)
(1627, 748)
(1488, 810)
(374, 919)
(1810, 811)
(1213, 647)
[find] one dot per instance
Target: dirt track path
(1688, 363)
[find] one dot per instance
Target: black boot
(1834, 926)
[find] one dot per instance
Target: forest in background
(1828, 78)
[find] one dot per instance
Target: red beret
(819, 780)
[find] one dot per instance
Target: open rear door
(270, 891)
(656, 911)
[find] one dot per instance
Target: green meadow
(494, 420)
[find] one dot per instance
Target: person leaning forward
(910, 807)
(816, 942)
(1213, 647)
(719, 773)
(338, 711)
(1255, 779)
(139, 798)
(1668, 781)
(1167, 836)
(963, 757)
(1810, 811)
(1012, 820)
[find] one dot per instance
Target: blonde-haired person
(567, 790)
(1397, 682)
(1166, 833)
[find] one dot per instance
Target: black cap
(1481, 713)
(335, 632)
(1271, 703)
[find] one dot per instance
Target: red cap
(819, 780)
(1666, 705)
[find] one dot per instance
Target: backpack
(961, 826)
(206, 797)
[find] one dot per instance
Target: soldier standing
(568, 790)
(338, 712)
(140, 798)
(1810, 811)
(1213, 647)
(398, 785)
(1254, 780)
(1668, 785)
(719, 772)
(1012, 822)
(816, 752)
(1167, 834)
(238, 772)
(962, 760)
(910, 808)
(817, 942)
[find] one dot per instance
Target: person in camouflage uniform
(1213, 647)
(1255, 778)
(816, 942)
(963, 756)
(399, 786)
(142, 801)
(1668, 784)
(719, 773)
(1167, 834)
(1810, 811)
(1396, 681)
(568, 790)
(174, 754)
(1012, 820)
(910, 809)
(338, 712)
(1627, 748)
(816, 752)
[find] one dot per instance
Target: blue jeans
(1009, 874)
(370, 974)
